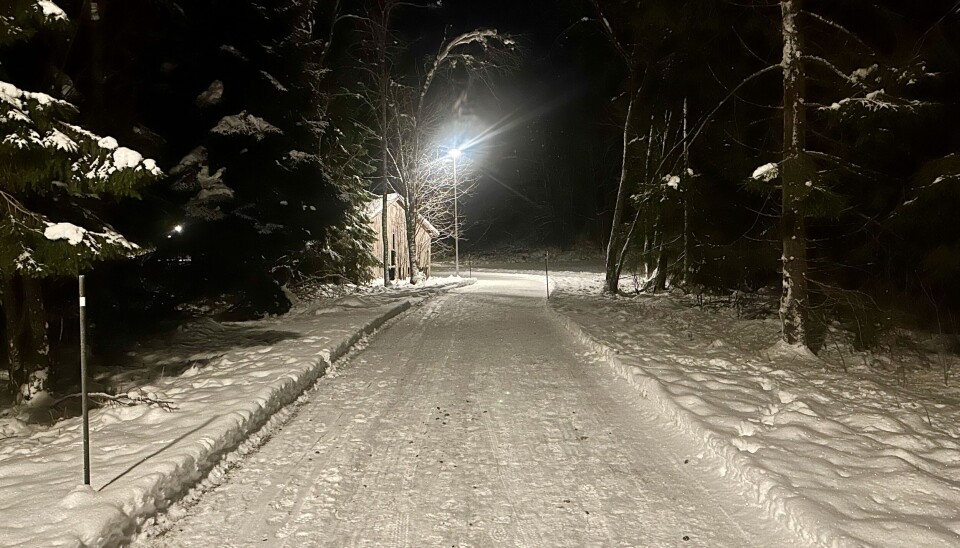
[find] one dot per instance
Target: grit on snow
(474, 421)
(486, 416)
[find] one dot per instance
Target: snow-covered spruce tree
(51, 171)
(343, 254)
(865, 91)
(927, 246)
(262, 189)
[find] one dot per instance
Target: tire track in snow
(290, 491)
(411, 371)
(511, 496)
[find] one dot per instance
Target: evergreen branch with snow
(48, 159)
(21, 19)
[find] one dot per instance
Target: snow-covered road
(474, 421)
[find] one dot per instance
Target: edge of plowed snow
(800, 515)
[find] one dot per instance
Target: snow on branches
(134, 397)
(20, 19)
(936, 183)
(56, 166)
(246, 124)
(766, 172)
(31, 125)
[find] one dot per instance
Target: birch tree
(628, 55)
(421, 166)
(649, 42)
(399, 103)
(413, 111)
(379, 52)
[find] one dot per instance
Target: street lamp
(455, 153)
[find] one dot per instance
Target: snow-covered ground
(474, 420)
(744, 432)
(226, 382)
(844, 458)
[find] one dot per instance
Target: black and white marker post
(83, 384)
(546, 271)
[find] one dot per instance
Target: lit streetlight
(454, 154)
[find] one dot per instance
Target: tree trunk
(644, 261)
(384, 227)
(26, 330)
(639, 212)
(793, 301)
(411, 219)
(382, 34)
(686, 275)
(614, 244)
(651, 245)
(384, 162)
(660, 283)
(97, 75)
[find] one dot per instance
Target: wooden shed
(397, 238)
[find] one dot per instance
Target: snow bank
(232, 379)
(839, 458)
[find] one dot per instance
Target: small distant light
(178, 229)
(454, 153)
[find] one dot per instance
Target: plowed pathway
(474, 421)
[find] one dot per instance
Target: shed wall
(397, 232)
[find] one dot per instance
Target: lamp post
(455, 153)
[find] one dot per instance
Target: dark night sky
(553, 104)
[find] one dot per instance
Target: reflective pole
(546, 271)
(83, 384)
(456, 220)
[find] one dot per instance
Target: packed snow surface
(474, 421)
(477, 419)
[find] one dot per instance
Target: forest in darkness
(215, 152)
